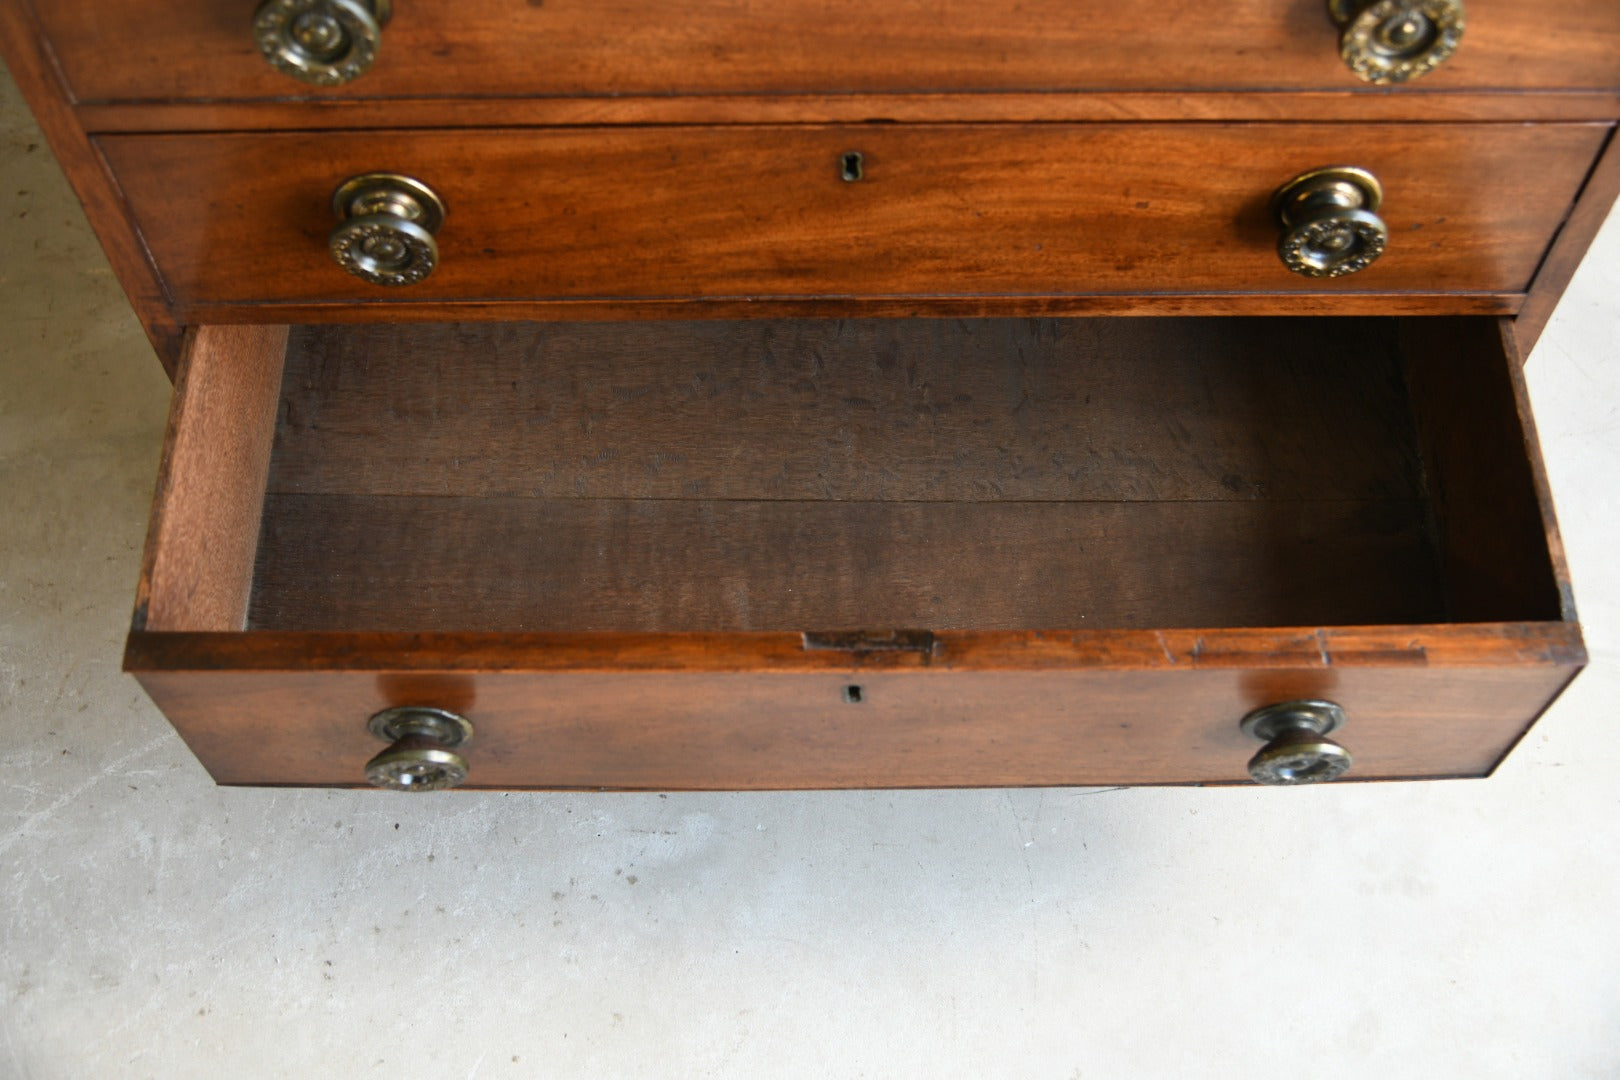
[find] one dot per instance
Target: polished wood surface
(1269, 303)
(130, 67)
(1349, 106)
(938, 725)
(1567, 251)
(418, 659)
(179, 49)
(948, 211)
(755, 710)
(210, 491)
(1120, 543)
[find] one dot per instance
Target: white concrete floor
(155, 925)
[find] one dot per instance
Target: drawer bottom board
(751, 476)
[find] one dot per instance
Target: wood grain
(674, 711)
(1447, 646)
(1055, 409)
(1166, 302)
(1409, 103)
(205, 516)
(1025, 211)
(841, 475)
(915, 727)
(760, 710)
(191, 49)
(1492, 512)
(1591, 209)
(1492, 518)
(1200, 497)
(330, 562)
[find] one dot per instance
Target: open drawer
(813, 553)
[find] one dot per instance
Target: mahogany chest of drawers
(737, 395)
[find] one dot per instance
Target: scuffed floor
(152, 924)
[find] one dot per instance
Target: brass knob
(1297, 749)
(386, 235)
(1391, 41)
(325, 42)
(421, 755)
(1329, 223)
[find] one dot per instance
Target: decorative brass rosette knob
(325, 42)
(1329, 221)
(1391, 41)
(1297, 749)
(386, 232)
(421, 754)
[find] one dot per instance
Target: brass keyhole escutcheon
(1330, 227)
(421, 755)
(323, 42)
(1297, 750)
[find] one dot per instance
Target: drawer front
(1173, 719)
(1024, 211)
(201, 49)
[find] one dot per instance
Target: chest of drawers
(735, 395)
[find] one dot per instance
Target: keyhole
(852, 695)
(853, 166)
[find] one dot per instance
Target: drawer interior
(798, 475)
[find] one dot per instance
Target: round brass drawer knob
(421, 753)
(1297, 749)
(1330, 227)
(325, 42)
(386, 232)
(1391, 41)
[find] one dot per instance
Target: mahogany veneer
(1003, 214)
(144, 50)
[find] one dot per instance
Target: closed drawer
(802, 553)
(200, 49)
(1011, 214)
